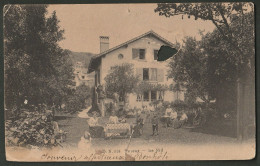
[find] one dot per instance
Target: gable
(150, 36)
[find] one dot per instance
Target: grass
(216, 133)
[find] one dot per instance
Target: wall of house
(149, 44)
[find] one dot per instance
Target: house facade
(142, 53)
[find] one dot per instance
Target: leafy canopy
(121, 80)
(36, 68)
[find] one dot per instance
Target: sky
(84, 23)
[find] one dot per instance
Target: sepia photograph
(129, 82)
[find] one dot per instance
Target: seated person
(93, 121)
(59, 134)
(169, 112)
(95, 129)
(122, 119)
(113, 118)
(170, 115)
(183, 118)
(173, 115)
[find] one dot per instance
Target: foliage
(234, 23)
(121, 80)
(189, 69)
(79, 99)
(144, 86)
(36, 68)
(220, 14)
(30, 128)
(209, 68)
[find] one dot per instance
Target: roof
(95, 59)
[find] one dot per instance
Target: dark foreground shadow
(221, 128)
(62, 117)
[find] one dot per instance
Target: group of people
(171, 118)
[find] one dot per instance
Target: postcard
(129, 82)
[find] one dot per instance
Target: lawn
(76, 126)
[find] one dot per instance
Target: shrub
(30, 128)
(79, 99)
(179, 105)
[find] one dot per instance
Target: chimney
(104, 43)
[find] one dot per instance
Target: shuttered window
(141, 53)
(150, 74)
(138, 53)
(155, 54)
(145, 74)
(160, 96)
(146, 96)
(160, 75)
(139, 98)
(153, 95)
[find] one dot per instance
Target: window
(141, 53)
(160, 96)
(153, 95)
(138, 98)
(145, 74)
(138, 53)
(83, 77)
(120, 56)
(150, 74)
(155, 54)
(146, 96)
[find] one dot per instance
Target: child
(155, 123)
(85, 141)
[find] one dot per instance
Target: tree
(121, 80)
(79, 99)
(189, 69)
(225, 65)
(229, 48)
(209, 69)
(36, 68)
(230, 20)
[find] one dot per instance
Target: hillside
(83, 57)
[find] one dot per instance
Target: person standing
(155, 124)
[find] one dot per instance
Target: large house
(142, 53)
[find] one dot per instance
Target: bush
(79, 99)
(30, 128)
(179, 105)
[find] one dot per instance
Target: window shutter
(153, 74)
(135, 53)
(139, 73)
(160, 75)
(155, 53)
